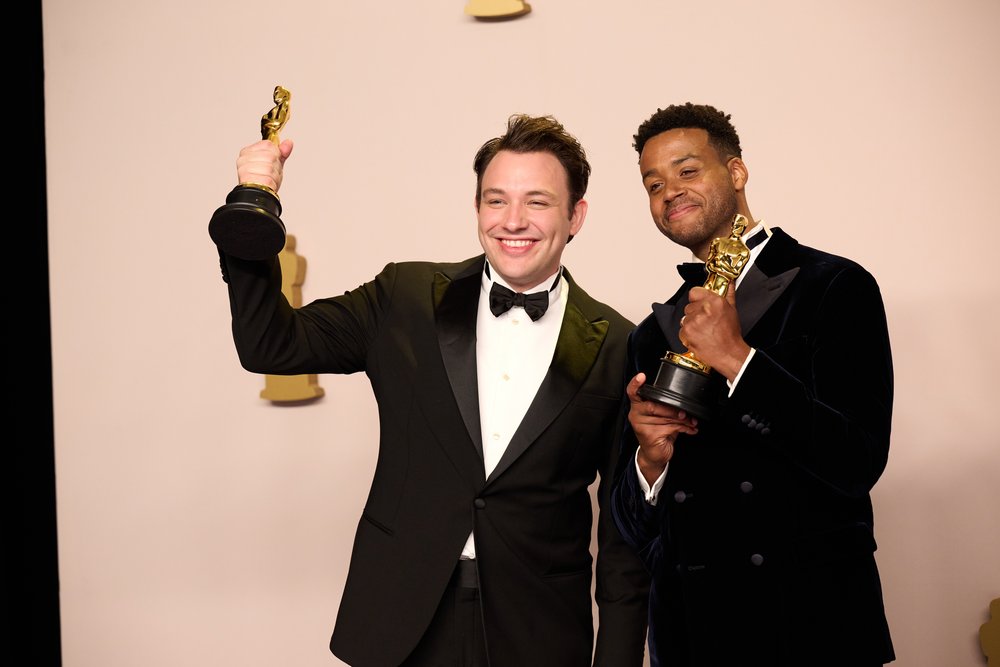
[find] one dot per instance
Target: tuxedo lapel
(758, 292)
(668, 315)
(577, 347)
(456, 302)
(769, 276)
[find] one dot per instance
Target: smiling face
(525, 217)
(693, 192)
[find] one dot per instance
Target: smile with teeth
(516, 243)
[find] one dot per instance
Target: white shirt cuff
(650, 493)
(732, 385)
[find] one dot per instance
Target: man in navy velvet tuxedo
(498, 382)
(757, 522)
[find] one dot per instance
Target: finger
(698, 294)
(286, 147)
(632, 389)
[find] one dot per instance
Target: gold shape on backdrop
(989, 635)
(291, 388)
(497, 9)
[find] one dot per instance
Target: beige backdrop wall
(200, 525)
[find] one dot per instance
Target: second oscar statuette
(248, 225)
(683, 380)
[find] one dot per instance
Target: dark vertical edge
(31, 576)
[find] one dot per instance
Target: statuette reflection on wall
(291, 388)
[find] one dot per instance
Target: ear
(579, 215)
(738, 172)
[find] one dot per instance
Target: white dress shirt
(513, 354)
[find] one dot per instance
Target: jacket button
(746, 487)
(680, 496)
(479, 503)
(746, 419)
(765, 431)
(757, 559)
(752, 424)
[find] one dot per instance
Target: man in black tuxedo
(756, 522)
(474, 545)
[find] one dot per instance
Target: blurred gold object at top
(496, 9)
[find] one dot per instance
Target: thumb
(633, 387)
(285, 147)
(731, 294)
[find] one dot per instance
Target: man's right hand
(656, 427)
(263, 163)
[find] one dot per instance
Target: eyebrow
(530, 193)
(681, 160)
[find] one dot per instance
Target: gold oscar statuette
(248, 225)
(683, 380)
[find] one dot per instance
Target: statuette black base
(690, 390)
(248, 225)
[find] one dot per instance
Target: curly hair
(721, 134)
(530, 134)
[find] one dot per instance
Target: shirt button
(496, 436)
(757, 559)
(505, 377)
(479, 503)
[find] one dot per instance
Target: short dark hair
(721, 133)
(530, 134)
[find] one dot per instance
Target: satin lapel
(757, 293)
(668, 316)
(456, 303)
(576, 351)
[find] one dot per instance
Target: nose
(672, 189)
(516, 217)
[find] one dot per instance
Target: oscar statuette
(683, 380)
(248, 225)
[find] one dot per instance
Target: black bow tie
(503, 299)
(692, 272)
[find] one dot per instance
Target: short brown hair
(530, 134)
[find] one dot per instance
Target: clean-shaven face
(524, 216)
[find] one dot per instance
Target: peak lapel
(577, 347)
(769, 276)
(456, 302)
